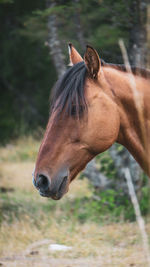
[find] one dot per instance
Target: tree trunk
(123, 159)
(138, 56)
(148, 36)
(137, 40)
(54, 42)
(77, 20)
(99, 181)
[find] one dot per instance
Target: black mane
(68, 92)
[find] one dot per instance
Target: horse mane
(68, 92)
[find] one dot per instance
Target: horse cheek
(103, 127)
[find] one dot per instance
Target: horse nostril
(42, 182)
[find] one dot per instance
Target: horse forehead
(58, 127)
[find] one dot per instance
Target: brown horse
(93, 106)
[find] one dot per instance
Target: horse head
(83, 122)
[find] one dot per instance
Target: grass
(23, 149)
(25, 218)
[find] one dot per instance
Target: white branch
(139, 218)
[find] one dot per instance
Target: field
(30, 224)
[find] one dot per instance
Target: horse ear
(92, 62)
(74, 55)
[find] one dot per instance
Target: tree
(137, 39)
(77, 20)
(54, 41)
(138, 53)
(148, 36)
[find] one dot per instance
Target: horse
(93, 105)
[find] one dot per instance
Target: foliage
(107, 165)
(27, 70)
(109, 208)
(118, 198)
(6, 1)
(26, 75)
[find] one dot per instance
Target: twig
(139, 218)
(139, 106)
(138, 99)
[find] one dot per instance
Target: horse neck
(134, 113)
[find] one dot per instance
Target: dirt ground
(50, 262)
(109, 260)
(45, 261)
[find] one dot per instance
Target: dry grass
(116, 244)
(113, 245)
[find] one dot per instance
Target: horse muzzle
(52, 188)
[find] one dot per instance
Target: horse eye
(75, 110)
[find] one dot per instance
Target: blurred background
(96, 217)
